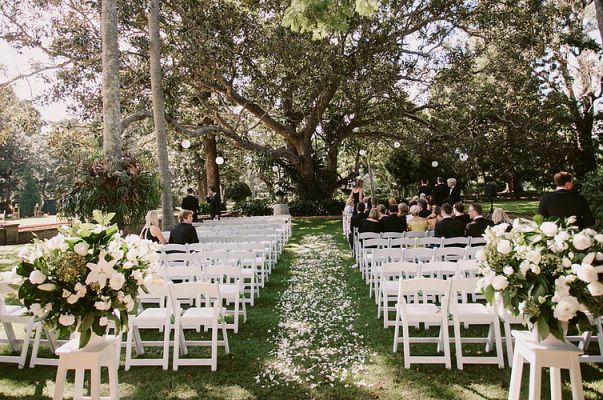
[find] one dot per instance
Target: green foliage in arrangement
(117, 186)
(254, 207)
(30, 196)
(237, 191)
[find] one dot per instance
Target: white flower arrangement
(549, 270)
(83, 277)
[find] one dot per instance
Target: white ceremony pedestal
(93, 356)
(544, 355)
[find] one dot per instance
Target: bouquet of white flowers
(84, 277)
(548, 270)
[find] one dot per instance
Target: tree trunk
(110, 55)
(202, 184)
(167, 206)
(599, 10)
(211, 168)
(585, 152)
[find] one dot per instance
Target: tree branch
(34, 72)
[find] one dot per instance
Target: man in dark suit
(477, 227)
(458, 212)
(448, 227)
(564, 202)
(213, 199)
(393, 222)
(190, 202)
(184, 232)
(454, 192)
(440, 192)
(424, 213)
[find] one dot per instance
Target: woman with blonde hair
(151, 230)
(415, 223)
(499, 216)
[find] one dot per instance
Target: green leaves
(543, 327)
(539, 219)
(489, 294)
(102, 218)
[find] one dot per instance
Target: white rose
(595, 288)
(599, 256)
(563, 236)
(129, 302)
(80, 289)
(102, 305)
(590, 257)
(47, 287)
(549, 228)
(535, 269)
(499, 282)
(128, 264)
(524, 266)
(66, 319)
(566, 308)
(599, 237)
(500, 229)
(81, 248)
(117, 281)
(571, 220)
(74, 298)
(138, 276)
(581, 241)
(36, 309)
(36, 277)
(586, 273)
(566, 262)
(508, 270)
(132, 255)
(534, 256)
(103, 321)
(504, 247)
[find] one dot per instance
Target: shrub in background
(30, 195)
(592, 190)
(237, 191)
(324, 207)
(117, 186)
(254, 207)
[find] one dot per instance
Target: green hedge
(592, 190)
(316, 207)
(255, 207)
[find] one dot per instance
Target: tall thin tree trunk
(599, 10)
(110, 55)
(167, 206)
(211, 168)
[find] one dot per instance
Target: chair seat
(469, 309)
(15, 311)
(196, 316)
(389, 287)
(151, 316)
(423, 313)
(229, 290)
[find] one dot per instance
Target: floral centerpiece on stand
(546, 270)
(85, 277)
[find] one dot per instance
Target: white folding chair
(390, 274)
(418, 254)
(450, 253)
(174, 248)
(459, 241)
(230, 281)
(392, 235)
(468, 268)
(179, 267)
(402, 242)
(471, 252)
(158, 318)
(478, 241)
(206, 313)
(438, 269)
(380, 256)
(430, 242)
(428, 313)
(10, 316)
(414, 234)
(472, 313)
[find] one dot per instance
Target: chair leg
(36, 345)
(214, 346)
(225, 336)
(446, 342)
(25, 345)
(396, 332)
(166, 344)
(406, 344)
(177, 335)
(59, 386)
(457, 343)
(498, 342)
(129, 338)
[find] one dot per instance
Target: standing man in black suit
(454, 193)
(190, 202)
(478, 226)
(448, 227)
(213, 199)
(564, 202)
(440, 192)
(184, 232)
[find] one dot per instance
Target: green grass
(523, 207)
(9, 256)
(235, 378)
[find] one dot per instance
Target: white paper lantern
(186, 143)
(275, 168)
(362, 152)
(219, 160)
(397, 145)
(463, 156)
(434, 164)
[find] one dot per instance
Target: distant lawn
(514, 206)
(9, 256)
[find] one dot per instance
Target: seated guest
(382, 211)
(184, 232)
(415, 223)
(448, 227)
(458, 212)
(434, 217)
(368, 204)
(349, 207)
(370, 224)
(355, 221)
(393, 222)
(403, 211)
(478, 226)
(424, 213)
(151, 230)
(499, 216)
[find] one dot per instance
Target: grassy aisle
(349, 337)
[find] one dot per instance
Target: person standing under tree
(190, 202)
(213, 199)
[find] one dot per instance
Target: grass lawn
(524, 207)
(252, 349)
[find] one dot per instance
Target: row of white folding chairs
(250, 234)
(189, 267)
(284, 223)
(373, 257)
(439, 302)
(263, 250)
(267, 228)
